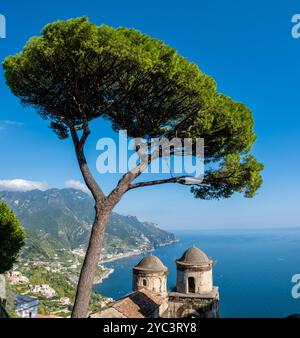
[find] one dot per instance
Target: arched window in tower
(144, 282)
(191, 285)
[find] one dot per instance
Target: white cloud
(22, 185)
(77, 185)
(4, 124)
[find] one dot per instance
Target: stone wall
(184, 306)
(154, 282)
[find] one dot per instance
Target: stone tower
(194, 295)
(150, 274)
(194, 272)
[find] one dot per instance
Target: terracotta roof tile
(138, 304)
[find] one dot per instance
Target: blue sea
(253, 269)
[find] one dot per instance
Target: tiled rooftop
(138, 304)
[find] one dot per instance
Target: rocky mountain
(58, 220)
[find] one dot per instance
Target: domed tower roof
(151, 263)
(194, 256)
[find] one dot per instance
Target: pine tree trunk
(103, 206)
(90, 264)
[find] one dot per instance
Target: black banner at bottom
(145, 327)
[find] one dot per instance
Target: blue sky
(245, 45)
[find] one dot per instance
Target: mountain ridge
(61, 219)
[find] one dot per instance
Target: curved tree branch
(181, 180)
(178, 179)
(91, 183)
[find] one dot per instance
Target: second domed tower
(194, 272)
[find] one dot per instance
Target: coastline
(135, 253)
(124, 255)
(109, 271)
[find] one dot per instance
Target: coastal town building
(65, 301)
(16, 277)
(45, 290)
(194, 294)
(25, 306)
